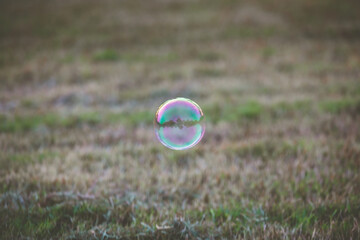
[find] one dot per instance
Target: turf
(279, 87)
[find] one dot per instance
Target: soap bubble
(179, 124)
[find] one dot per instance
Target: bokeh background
(279, 84)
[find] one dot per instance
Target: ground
(279, 84)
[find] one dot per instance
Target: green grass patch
(249, 32)
(251, 110)
(50, 222)
(244, 217)
(85, 220)
(284, 109)
(234, 113)
(341, 218)
(52, 120)
(117, 218)
(18, 160)
(341, 105)
(305, 217)
(130, 119)
(272, 149)
(208, 72)
(110, 55)
(68, 59)
(209, 56)
(107, 55)
(25, 123)
(268, 52)
(148, 58)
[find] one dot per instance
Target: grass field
(279, 84)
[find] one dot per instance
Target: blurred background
(279, 84)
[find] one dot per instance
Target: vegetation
(80, 85)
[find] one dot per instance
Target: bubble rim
(169, 102)
(157, 129)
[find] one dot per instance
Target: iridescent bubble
(179, 123)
